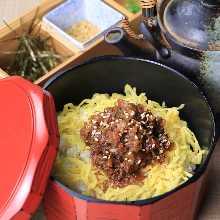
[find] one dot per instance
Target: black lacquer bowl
(160, 83)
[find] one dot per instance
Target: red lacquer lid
(28, 143)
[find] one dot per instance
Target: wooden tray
(73, 55)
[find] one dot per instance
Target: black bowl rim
(199, 172)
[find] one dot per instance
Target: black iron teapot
(178, 31)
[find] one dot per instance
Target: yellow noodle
(73, 166)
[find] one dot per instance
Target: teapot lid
(186, 22)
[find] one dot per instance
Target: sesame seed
(139, 161)
(102, 123)
(113, 150)
(129, 153)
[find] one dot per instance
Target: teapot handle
(155, 38)
(119, 38)
(150, 29)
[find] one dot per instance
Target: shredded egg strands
(73, 165)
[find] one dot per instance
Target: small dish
(72, 12)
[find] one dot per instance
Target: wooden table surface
(210, 210)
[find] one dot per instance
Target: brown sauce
(123, 140)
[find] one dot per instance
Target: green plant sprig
(34, 55)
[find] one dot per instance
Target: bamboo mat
(210, 210)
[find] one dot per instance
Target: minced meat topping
(123, 140)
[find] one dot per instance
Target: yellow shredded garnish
(73, 165)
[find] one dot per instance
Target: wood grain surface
(210, 210)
